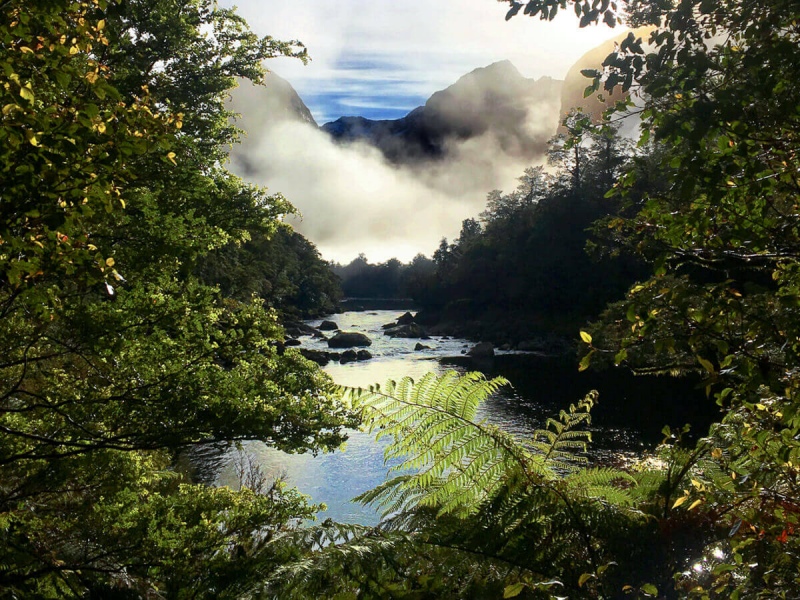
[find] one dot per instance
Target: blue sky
(381, 59)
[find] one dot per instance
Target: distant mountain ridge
(494, 105)
(495, 100)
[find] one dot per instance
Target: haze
(381, 60)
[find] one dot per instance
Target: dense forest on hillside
(281, 268)
(142, 286)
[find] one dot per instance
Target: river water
(628, 419)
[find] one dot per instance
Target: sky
(381, 59)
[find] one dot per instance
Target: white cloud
(372, 57)
(354, 201)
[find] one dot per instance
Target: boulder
(405, 319)
(292, 342)
(320, 357)
(349, 339)
(411, 330)
(298, 328)
(328, 326)
(421, 347)
(482, 350)
(348, 356)
(363, 355)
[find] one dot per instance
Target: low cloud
(352, 200)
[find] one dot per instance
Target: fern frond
(561, 443)
(606, 484)
(457, 461)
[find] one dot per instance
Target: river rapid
(626, 422)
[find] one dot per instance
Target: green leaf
(621, 356)
(706, 364)
(513, 590)
(649, 589)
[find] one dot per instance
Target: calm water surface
(629, 417)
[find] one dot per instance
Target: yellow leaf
(33, 141)
(101, 24)
(171, 157)
(91, 77)
(761, 407)
(586, 337)
(101, 127)
(25, 50)
(27, 93)
(680, 501)
(584, 578)
(707, 365)
(74, 49)
(716, 453)
(109, 262)
(694, 504)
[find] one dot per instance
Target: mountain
(518, 113)
(259, 107)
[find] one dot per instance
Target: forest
(144, 290)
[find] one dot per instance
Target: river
(628, 419)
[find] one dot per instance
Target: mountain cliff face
(259, 108)
(263, 105)
(519, 113)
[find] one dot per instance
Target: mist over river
(626, 422)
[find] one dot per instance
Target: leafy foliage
(116, 355)
(716, 87)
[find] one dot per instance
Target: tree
(719, 96)
(116, 355)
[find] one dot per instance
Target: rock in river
(328, 326)
(482, 350)
(406, 331)
(405, 319)
(348, 339)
